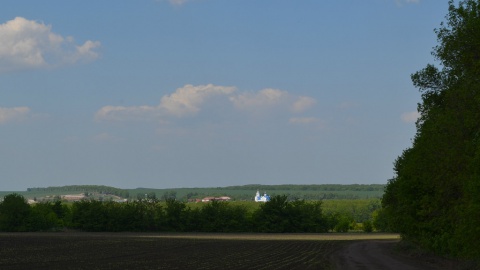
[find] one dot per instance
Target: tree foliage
(14, 213)
(279, 216)
(434, 199)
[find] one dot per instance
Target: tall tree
(434, 198)
(14, 213)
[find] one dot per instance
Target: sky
(209, 93)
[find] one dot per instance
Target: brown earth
(152, 251)
(76, 250)
(384, 255)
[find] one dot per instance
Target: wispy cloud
(410, 117)
(264, 98)
(27, 44)
(185, 101)
(303, 103)
(13, 114)
(189, 100)
(272, 98)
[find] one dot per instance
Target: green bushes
(277, 216)
(111, 216)
(16, 215)
(223, 217)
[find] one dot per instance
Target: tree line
(238, 193)
(323, 187)
(434, 199)
(276, 216)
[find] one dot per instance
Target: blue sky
(202, 93)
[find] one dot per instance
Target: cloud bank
(27, 44)
(189, 100)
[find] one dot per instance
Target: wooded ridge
(245, 192)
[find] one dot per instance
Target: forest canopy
(434, 199)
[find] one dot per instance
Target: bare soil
(78, 250)
(385, 254)
(148, 251)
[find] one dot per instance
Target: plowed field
(175, 251)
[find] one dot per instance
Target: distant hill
(245, 192)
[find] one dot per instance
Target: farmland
(75, 250)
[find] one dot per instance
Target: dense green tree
(176, 215)
(306, 216)
(219, 216)
(43, 217)
(380, 221)
(272, 215)
(434, 198)
(280, 215)
(343, 223)
(14, 213)
(89, 215)
(367, 226)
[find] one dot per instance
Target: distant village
(108, 197)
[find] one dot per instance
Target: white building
(221, 199)
(264, 198)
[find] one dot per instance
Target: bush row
(276, 216)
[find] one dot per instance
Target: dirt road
(379, 254)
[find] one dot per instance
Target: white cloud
(187, 100)
(264, 98)
(13, 114)
(27, 44)
(303, 103)
(410, 117)
(184, 101)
